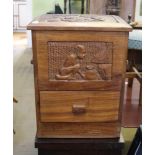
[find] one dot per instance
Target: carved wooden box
(79, 69)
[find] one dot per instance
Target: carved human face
(82, 52)
(81, 55)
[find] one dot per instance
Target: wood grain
(79, 130)
(119, 51)
(106, 23)
(115, 85)
(99, 106)
(35, 66)
(80, 108)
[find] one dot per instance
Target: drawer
(79, 106)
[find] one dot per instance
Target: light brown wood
(77, 23)
(79, 71)
(118, 40)
(79, 130)
(98, 106)
(34, 47)
(82, 85)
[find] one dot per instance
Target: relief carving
(80, 61)
(90, 74)
(71, 66)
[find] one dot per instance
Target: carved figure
(71, 65)
(99, 67)
(101, 59)
(90, 74)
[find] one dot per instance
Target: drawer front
(82, 106)
(80, 61)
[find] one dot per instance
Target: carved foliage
(80, 60)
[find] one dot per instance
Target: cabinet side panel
(35, 65)
(124, 65)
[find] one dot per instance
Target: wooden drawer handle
(78, 109)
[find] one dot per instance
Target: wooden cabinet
(79, 70)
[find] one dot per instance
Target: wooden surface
(119, 41)
(79, 77)
(79, 146)
(80, 106)
(79, 130)
(79, 22)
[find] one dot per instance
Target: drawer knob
(78, 109)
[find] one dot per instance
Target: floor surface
(24, 110)
(132, 110)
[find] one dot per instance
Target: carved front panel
(80, 60)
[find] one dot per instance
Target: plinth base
(52, 146)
